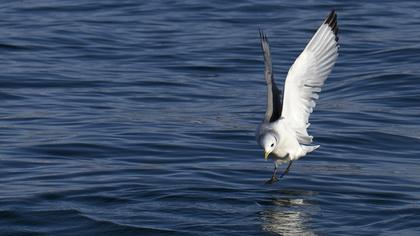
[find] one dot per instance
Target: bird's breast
(280, 153)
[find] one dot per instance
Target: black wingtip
(331, 21)
(263, 36)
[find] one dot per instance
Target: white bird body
(288, 148)
(283, 134)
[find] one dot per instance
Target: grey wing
(274, 95)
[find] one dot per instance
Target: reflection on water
(288, 216)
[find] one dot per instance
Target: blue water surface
(138, 118)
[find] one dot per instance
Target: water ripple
(126, 118)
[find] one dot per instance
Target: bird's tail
(308, 149)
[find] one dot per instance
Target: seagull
(283, 133)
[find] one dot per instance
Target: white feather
(305, 79)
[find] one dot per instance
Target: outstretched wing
(274, 106)
(307, 75)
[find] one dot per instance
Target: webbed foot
(272, 180)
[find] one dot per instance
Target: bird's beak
(266, 154)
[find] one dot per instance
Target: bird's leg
(274, 176)
(287, 169)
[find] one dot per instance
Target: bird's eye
(272, 145)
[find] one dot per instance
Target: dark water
(129, 118)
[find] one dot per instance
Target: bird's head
(269, 142)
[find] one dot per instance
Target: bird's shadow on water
(288, 212)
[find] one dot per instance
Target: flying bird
(283, 133)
